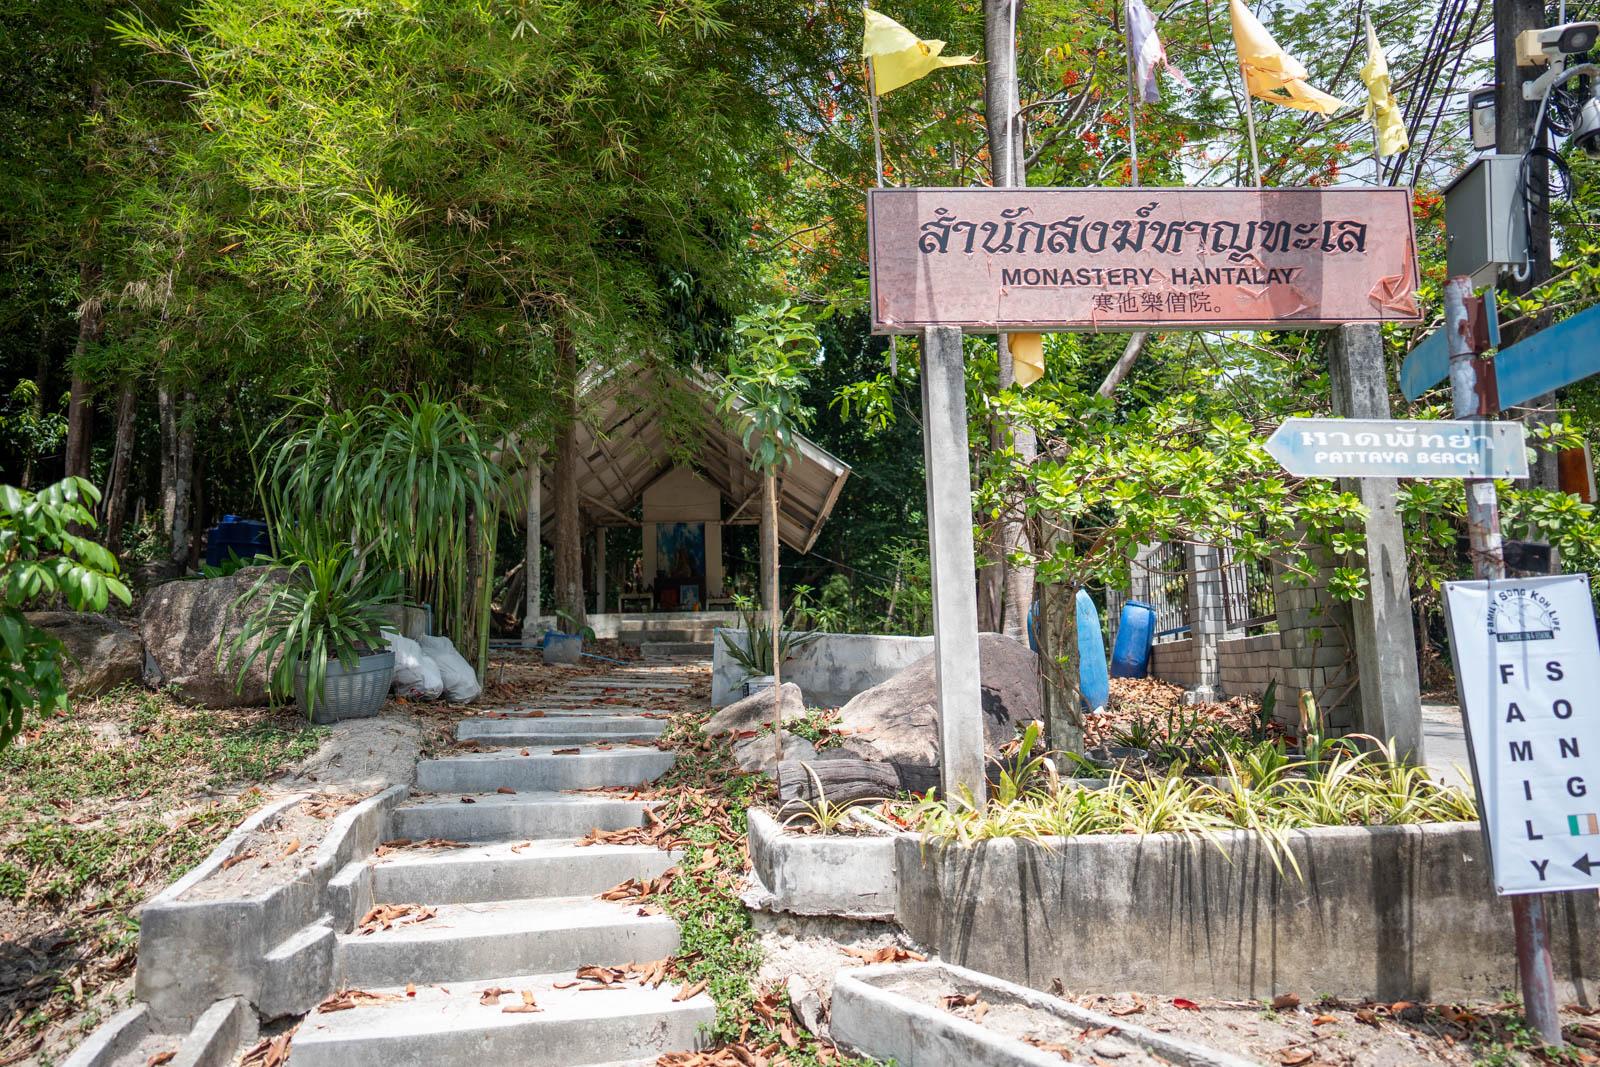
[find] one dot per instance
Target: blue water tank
(1136, 632)
(247, 538)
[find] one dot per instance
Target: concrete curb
(1390, 912)
(275, 950)
(225, 1028)
(115, 1037)
(822, 874)
(876, 1022)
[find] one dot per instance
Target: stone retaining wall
(829, 670)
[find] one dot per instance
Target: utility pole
(1475, 396)
(1005, 592)
(1513, 135)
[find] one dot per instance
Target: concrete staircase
(514, 901)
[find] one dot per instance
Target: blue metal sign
(1558, 355)
(1398, 448)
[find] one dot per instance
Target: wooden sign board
(1043, 259)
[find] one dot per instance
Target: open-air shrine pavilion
(658, 460)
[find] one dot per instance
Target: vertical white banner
(1527, 659)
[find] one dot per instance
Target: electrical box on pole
(1485, 219)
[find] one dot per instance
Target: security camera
(1586, 126)
(1539, 47)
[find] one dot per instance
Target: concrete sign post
(1400, 448)
(1527, 658)
(953, 566)
(1140, 259)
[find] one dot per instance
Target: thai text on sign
(1400, 448)
(1092, 259)
(1527, 659)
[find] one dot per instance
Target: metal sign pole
(1473, 393)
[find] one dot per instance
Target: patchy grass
(101, 808)
(706, 798)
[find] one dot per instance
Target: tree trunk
(115, 504)
(1005, 592)
(167, 417)
(769, 531)
(80, 405)
(178, 500)
(198, 518)
(568, 533)
(1058, 668)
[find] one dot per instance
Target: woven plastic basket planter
(349, 694)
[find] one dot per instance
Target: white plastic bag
(460, 680)
(416, 675)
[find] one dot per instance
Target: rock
(755, 711)
(186, 624)
(807, 1005)
(896, 722)
(101, 652)
(756, 753)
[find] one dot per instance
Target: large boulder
(186, 624)
(897, 721)
(758, 753)
(101, 652)
(755, 711)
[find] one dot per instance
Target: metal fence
(1247, 597)
(1162, 575)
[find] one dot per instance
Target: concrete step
(561, 730)
(506, 870)
(564, 728)
(578, 709)
(623, 685)
(439, 1029)
(524, 816)
(680, 649)
(542, 769)
(465, 942)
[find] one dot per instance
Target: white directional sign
(1527, 660)
(1397, 448)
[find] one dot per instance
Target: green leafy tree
(42, 560)
(764, 392)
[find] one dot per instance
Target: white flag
(1149, 55)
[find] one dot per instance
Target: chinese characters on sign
(1088, 259)
(1527, 661)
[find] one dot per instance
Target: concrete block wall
(1249, 664)
(1175, 662)
(1314, 649)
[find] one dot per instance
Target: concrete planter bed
(1387, 912)
(846, 875)
(899, 1013)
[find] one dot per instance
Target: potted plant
(751, 648)
(319, 629)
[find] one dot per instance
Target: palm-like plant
(329, 608)
(411, 483)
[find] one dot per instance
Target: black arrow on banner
(1584, 864)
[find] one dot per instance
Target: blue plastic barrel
(1093, 681)
(245, 538)
(1135, 634)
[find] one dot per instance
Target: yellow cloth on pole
(1382, 111)
(899, 57)
(1027, 357)
(1269, 71)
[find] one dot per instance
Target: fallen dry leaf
(385, 916)
(492, 995)
(1285, 1001)
(690, 991)
(1367, 1016)
(886, 954)
(1294, 1057)
(161, 1057)
(345, 999)
(527, 1005)
(236, 859)
(291, 848)
(1324, 1020)
(564, 752)
(507, 790)
(1185, 1004)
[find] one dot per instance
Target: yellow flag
(1269, 71)
(1027, 357)
(1382, 111)
(899, 57)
